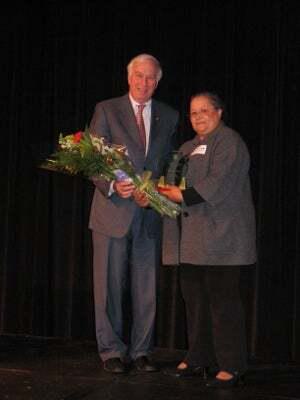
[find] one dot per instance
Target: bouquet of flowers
(84, 153)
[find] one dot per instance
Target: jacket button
(185, 214)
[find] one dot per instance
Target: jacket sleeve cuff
(191, 197)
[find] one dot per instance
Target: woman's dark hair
(214, 98)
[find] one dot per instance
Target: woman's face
(204, 116)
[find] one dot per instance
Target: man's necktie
(141, 125)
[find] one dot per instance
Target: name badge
(199, 150)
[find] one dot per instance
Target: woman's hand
(172, 192)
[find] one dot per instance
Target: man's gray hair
(145, 57)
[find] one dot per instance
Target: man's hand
(140, 198)
(124, 188)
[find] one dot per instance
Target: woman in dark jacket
(212, 240)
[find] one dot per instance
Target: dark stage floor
(55, 369)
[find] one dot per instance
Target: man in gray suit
(126, 233)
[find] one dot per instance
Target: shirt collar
(135, 103)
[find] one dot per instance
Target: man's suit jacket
(114, 119)
(220, 230)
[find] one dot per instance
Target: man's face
(142, 80)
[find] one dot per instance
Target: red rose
(77, 137)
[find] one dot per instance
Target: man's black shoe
(143, 364)
(114, 366)
(188, 372)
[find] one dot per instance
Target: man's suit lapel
(154, 129)
(127, 119)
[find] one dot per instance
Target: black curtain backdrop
(57, 60)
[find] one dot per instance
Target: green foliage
(90, 156)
